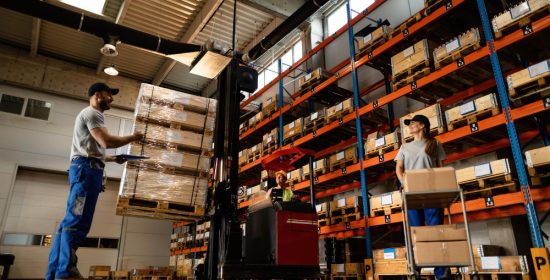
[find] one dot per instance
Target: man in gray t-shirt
(90, 139)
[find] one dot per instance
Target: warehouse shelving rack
(504, 205)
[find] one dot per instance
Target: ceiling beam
(122, 12)
(200, 21)
(35, 35)
(270, 27)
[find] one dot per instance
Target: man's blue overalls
(85, 178)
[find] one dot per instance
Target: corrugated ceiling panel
(111, 8)
(180, 77)
(136, 62)
(69, 42)
(250, 22)
(168, 18)
(15, 27)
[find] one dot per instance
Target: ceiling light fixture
(109, 47)
(111, 71)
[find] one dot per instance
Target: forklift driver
(280, 178)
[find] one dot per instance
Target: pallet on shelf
(120, 275)
(322, 210)
(403, 27)
(411, 64)
(271, 104)
(519, 16)
(385, 204)
(457, 47)
(374, 39)
(99, 272)
(243, 157)
(315, 120)
(319, 168)
(254, 153)
(294, 176)
(293, 130)
(323, 222)
(243, 127)
(347, 270)
(345, 206)
(487, 179)
(495, 266)
(378, 146)
(344, 218)
(533, 80)
(538, 165)
(343, 157)
(433, 113)
(473, 111)
(254, 120)
(270, 141)
(314, 78)
(395, 267)
(339, 110)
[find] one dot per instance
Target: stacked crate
(530, 82)
(390, 262)
(254, 153)
(486, 179)
(293, 130)
(376, 146)
(270, 141)
(271, 104)
(319, 167)
(315, 120)
(339, 110)
(343, 157)
(173, 182)
(99, 272)
(457, 48)
(346, 209)
(374, 39)
(411, 64)
(385, 204)
(433, 113)
(472, 111)
(314, 78)
(519, 16)
(538, 165)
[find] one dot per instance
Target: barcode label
(490, 263)
(319, 207)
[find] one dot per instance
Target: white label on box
(490, 263)
(308, 76)
(319, 207)
(386, 199)
(341, 202)
(483, 170)
(339, 107)
(241, 126)
(340, 155)
(248, 191)
(379, 142)
(367, 38)
(173, 136)
(467, 107)
(340, 268)
(181, 116)
(207, 234)
(314, 165)
(520, 9)
(291, 125)
(529, 159)
(240, 153)
(539, 68)
(183, 100)
(409, 51)
(314, 116)
(453, 45)
(269, 139)
(389, 253)
(254, 148)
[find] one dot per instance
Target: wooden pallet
(433, 132)
(322, 215)
(346, 218)
(492, 190)
(372, 45)
(496, 276)
(522, 22)
(540, 175)
(413, 75)
(269, 148)
(472, 118)
(314, 125)
(488, 181)
(346, 210)
(382, 150)
(386, 210)
(311, 83)
(254, 156)
(323, 222)
(449, 58)
(159, 207)
(405, 25)
(269, 110)
(290, 139)
(537, 89)
(354, 276)
(150, 277)
(341, 164)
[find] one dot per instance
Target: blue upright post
(360, 151)
(391, 115)
(280, 103)
(511, 128)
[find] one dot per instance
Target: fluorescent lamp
(111, 71)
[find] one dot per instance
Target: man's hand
(138, 135)
(119, 160)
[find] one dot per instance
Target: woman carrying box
(423, 152)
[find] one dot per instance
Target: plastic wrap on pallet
(164, 158)
(173, 98)
(158, 135)
(158, 185)
(164, 114)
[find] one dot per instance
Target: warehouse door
(36, 208)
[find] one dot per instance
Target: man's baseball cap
(419, 118)
(101, 87)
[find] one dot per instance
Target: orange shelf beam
(191, 250)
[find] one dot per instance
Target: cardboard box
(175, 158)
(254, 150)
(347, 269)
(176, 99)
(293, 128)
(441, 253)
(433, 113)
(319, 166)
(339, 109)
(315, 75)
(271, 138)
(165, 115)
(521, 10)
(243, 157)
(347, 202)
(538, 157)
(315, 118)
(438, 233)
(391, 267)
(271, 104)
(346, 155)
(373, 144)
(456, 44)
(410, 57)
(425, 180)
(502, 264)
(252, 190)
(528, 75)
(398, 253)
(186, 139)
(378, 34)
(493, 168)
(99, 271)
(479, 104)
